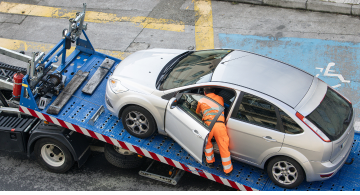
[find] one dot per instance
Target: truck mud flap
(98, 76)
(66, 94)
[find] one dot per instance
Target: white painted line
(56, 122)
(177, 164)
(131, 148)
(193, 170)
(225, 181)
(327, 70)
(100, 137)
(241, 187)
(70, 126)
(115, 142)
(209, 176)
(162, 159)
(85, 131)
(146, 153)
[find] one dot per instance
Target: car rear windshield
(197, 67)
(333, 115)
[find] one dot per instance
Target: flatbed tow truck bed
(81, 107)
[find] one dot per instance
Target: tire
(53, 156)
(122, 158)
(138, 122)
(290, 177)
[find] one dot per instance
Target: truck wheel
(138, 122)
(122, 158)
(285, 172)
(53, 156)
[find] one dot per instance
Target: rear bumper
(328, 167)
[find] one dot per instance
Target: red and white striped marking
(136, 149)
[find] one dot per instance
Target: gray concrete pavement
(350, 7)
(33, 33)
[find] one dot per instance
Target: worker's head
(208, 90)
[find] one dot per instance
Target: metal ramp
(81, 107)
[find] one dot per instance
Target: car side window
(257, 111)
(189, 104)
(290, 126)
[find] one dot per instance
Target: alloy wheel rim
(52, 155)
(284, 172)
(137, 122)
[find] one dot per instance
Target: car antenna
(234, 59)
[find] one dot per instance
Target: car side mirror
(173, 104)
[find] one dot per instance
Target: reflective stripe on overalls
(227, 165)
(208, 113)
(209, 154)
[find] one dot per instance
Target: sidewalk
(349, 7)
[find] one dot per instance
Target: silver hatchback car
(278, 117)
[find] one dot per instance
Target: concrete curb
(312, 5)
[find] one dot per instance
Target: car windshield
(332, 116)
(197, 67)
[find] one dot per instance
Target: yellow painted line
(204, 32)
(19, 45)
(91, 16)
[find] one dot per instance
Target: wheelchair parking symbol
(329, 73)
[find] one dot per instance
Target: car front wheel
(138, 122)
(285, 172)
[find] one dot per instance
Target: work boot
(210, 165)
(228, 174)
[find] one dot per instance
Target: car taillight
(326, 175)
(316, 130)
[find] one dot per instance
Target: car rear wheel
(285, 172)
(138, 122)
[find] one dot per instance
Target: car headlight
(116, 87)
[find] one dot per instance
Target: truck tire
(53, 156)
(138, 122)
(122, 158)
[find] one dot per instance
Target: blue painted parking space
(334, 62)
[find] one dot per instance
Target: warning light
(46, 122)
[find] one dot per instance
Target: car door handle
(270, 139)
(196, 132)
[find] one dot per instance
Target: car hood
(139, 71)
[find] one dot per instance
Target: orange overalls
(219, 131)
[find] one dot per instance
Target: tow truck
(53, 110)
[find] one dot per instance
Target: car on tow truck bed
(279, 118)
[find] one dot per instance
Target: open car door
(185, 126)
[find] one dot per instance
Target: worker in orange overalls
(218, 131)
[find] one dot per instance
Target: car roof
(274, 78)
